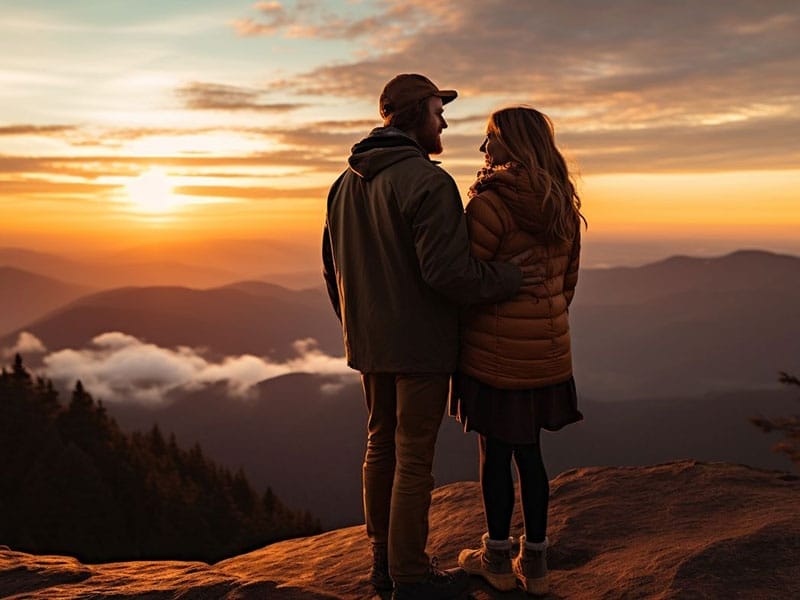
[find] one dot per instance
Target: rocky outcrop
(673, 531)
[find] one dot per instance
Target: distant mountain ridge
(686, 326)
(682, 326)
(25, 296)
(203, 264)
(108, 274)
(260, 319)
(738, 271)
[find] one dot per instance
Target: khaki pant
(405, 412)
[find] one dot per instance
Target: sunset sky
(125, 122)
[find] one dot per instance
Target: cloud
(91, 167)
(11, 187)
(255, 193)
(313, 20)
(632, 86)
(322, 139)
(199, 95)
(273, 17)
(551, 48)
(43, 130)
(770, 144)
(624, 67)
(119, 367)
(27, 343)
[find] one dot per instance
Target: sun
(152, 192)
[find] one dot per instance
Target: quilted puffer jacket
(523, 342)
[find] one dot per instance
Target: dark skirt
(513, 416)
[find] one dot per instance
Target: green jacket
(397, 259)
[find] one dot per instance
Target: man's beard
(432, 144)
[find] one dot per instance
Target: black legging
(498, 487)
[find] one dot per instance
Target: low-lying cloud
(118, 367)
(27, 343)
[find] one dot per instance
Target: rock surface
(680, 530)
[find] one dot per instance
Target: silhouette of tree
(19, 372)
(789, 426)
(71, 482)
(47, 396)
(27, 433)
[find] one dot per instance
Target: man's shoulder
(424, 169)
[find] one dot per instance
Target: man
(397, 266)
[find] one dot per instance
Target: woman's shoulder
(488, 204)
(497, 178)
(491, 187)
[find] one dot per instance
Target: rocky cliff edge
(679, 530)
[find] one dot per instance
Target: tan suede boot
(492, 561)
(530, 566)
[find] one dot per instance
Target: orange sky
(123, 125)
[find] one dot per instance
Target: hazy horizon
(598, 251)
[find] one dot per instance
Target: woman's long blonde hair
(529, 138)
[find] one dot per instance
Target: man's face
(429, 133)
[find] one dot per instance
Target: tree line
(72, 482)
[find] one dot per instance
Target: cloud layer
(624, 65)
(119, 367)
(633, 85)
(637, 86)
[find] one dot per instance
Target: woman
(515, 372)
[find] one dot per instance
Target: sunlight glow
(151, 192)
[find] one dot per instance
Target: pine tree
(789, 426)
(19, 372)
(47, 396)
(71, 482)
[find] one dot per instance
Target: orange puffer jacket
(523, 342)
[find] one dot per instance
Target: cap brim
(447, 95)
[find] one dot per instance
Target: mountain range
(680, 327)
(671, 359)
(24, 296)
(247, 317)
(687, 326)
(203, 264)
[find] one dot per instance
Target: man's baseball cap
(408, 88)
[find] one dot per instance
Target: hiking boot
(530, 566)
(437, 585)
(379, 573)
(492, 561)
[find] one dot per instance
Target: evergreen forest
(73, 483)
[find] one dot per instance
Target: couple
(401, 259)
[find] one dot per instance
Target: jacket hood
(383, 147)
(512, 183)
